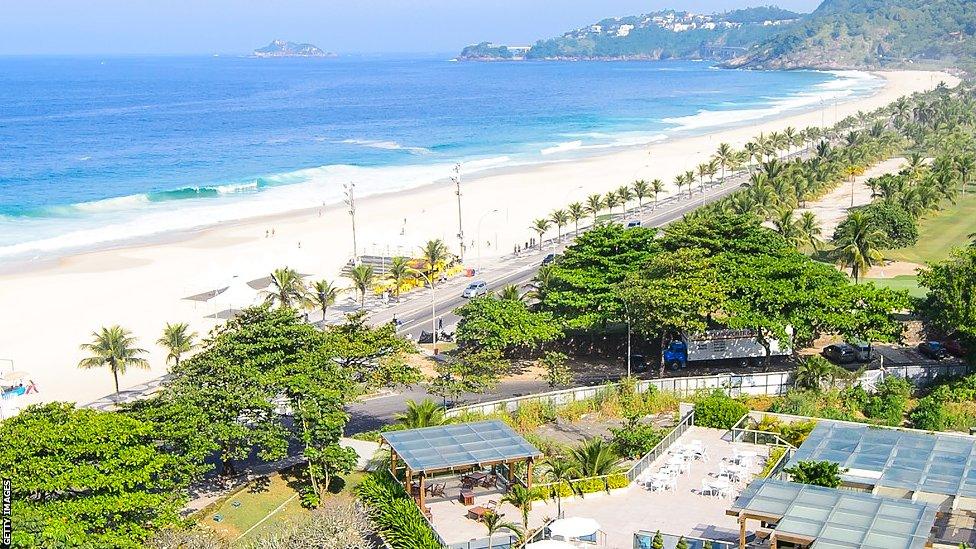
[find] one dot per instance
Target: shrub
(633, 441)
(719, 411)
(396, 516)
(887, 404)
(817, 473)
(341, 525)
(617, 481)
(581, 486)
(775, 453)
(899, 228)
(930, 414)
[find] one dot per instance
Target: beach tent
(574, 528)
(237, 296)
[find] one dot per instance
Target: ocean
(95, 150)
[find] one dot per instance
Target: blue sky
(236, 26)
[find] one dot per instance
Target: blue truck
(720, 347)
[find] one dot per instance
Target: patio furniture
(489, 481)
(707, 488)
(478, 513)
(743, 457)
(732, 472)
(437, 490)
(663, 481)
(466, 497)
(721, 487)
(680, 463)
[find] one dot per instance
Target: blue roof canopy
(458, 446)
(837, 519)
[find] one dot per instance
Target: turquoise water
(93, 150)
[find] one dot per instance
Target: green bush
(817, 473)
(617, 481)
(899, 228)
(582, 486)
(930, 414)
(887, 404)
(634, 441)
(719, 411)
(395, 514)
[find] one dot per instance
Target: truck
(740, 347)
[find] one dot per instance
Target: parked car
(840, 353)
(476, 288)
(955, 348)
(862, 351)
(633, 223)
(549, 260)
(932, 349)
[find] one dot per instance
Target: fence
(661, 447)
(645, 540)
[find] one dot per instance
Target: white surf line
(269, 515)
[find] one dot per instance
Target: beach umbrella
(238, 295)
(574, 527)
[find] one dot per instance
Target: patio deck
(628, 510)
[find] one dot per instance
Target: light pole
(456, 178)
(433, 311)
(351, 202)
(486, 214)
(627, 311)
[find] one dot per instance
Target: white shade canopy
(574, 527)
(550, 544)
(238, 295)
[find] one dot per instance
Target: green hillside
(872, 33)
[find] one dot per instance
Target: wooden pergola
(457, 448)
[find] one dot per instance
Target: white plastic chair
(707, 488)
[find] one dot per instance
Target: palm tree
(965, 164)
(434, 256)
(540, 226)
(287, 289)
(539, 287)
(703, 170)
(594, 458)
(725, 157)
(363, 279)
(559, 218)
(178, 340)
(787, 227)
(641, 191)
(657, 187)
(510, 292)
(810, 229)
(789, 139)
(814, 372)
(594, 205)
(679, 181)
(858, 244)
(324, 294)
(576, 212)
(611, 199)
(425, 413)
(397, 274)
(114, 347)
(560, 472)
(625, 196)
(689, 180)
(521, 499)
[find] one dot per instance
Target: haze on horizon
(69, 27)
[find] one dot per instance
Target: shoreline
(142, 286)
(684, 127)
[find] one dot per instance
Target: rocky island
(281, 48)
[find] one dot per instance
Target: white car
(476, 288)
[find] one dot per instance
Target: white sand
(48, 312)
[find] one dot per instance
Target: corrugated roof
(459, 445)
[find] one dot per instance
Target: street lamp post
(433, 311)
(627, 311)
(351, 202)
(456, 178)
(486, 214)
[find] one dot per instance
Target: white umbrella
(550, 544)
(238, 295)
(574, 527)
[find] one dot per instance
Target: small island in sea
(281, 48)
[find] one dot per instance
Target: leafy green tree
(719, 411)
(178, 340)
(115, 348)
(930, 414)
(86, 478)
(503, 325)
(560, 472)
(950, 303)
(787, 225)
(658, 541)
(810, 231)
(434, 256)
(540, 226)
(510, 292)
(682, 544)
(375, 356)
(287, 289)
(324, 294)
(425, 413)
(472, 371)
(815, 372)
(817, 473)
(557, 372)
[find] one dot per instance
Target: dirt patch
(891, 269)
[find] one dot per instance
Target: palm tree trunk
(115, 376)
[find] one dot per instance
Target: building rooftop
(459, 445)
(831, 518)
(914, 461)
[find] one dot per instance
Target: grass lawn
(442, 346)
(248, 507)
(941, 231)
(902, 282)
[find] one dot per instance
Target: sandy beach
(49, 310)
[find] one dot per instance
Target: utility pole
(351, 202)
(456, 178)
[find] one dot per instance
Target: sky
(346, 26)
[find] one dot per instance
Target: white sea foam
(385, 145)
(562, 147)
(846, 84)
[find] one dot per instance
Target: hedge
(719, 411)
(584, 486)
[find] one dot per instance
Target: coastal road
(415, 315)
